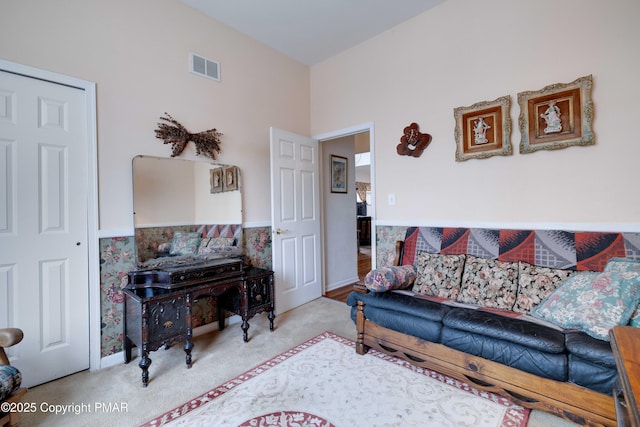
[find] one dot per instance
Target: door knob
(280, 231)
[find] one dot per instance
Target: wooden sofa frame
(566, 400)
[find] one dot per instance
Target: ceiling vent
(204, 67)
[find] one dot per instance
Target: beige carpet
(114, 396)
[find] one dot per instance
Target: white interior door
(295, 219)
(43, 226)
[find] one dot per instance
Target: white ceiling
(311, 31)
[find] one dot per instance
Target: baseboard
(342, 283)
(118, 358)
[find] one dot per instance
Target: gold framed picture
(216, 180)
(230, 178)
(557, 116)
(483, 130)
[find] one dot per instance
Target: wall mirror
(172, 196)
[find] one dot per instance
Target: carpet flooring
(114, 396)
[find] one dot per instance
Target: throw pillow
(439, 275)
(536, 283)
(389, 278)
(208, 244)
(622, 264)
(593, 302)
(489, 283)
(185, 243)
(10, 380)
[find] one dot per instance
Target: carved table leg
(144, 364)
(188, 346)
(245, 328)
(127, 349)
(271, 316)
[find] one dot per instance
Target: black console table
(158, 303)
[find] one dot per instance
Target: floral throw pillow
(536, 283)
(622, 264)
(389, 278)
(593, 302)
(185, 243)
(489, 283)
(439, 275)
(212, 244)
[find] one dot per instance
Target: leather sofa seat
(591, 362)
(521, 332)
(402, 313)
(401, 303)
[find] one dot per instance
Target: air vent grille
(204, 67)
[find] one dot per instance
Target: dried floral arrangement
(207, 142)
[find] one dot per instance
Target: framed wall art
(230, 178)
(483, 130)
(339, 174)
(558, 116)
(216, 180)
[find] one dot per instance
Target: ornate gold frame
(483, 130)
(573, 116)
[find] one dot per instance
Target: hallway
(364, 266)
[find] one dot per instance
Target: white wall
(341, 254)
(137, 53)
(465, 51)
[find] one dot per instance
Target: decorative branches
(207, 143)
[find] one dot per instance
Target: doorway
(348, 225)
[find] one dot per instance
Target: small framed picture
(483, 130)
(230, 178)
(339, 174)
(216, 180)
(557, 116)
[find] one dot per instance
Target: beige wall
(137, 54)
(465, 51)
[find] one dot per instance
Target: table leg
(127, 349)
(188, 346)
(271, 316)
(144, 364)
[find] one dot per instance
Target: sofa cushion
(548, 365)
(521, 332)
(593, 302)
(589, 348)
(401, 303)
(439, 275)
(385, 279)
(536, 283)
(489, 283)
(10, 380)
(587, 374)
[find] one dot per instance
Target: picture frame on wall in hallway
(557, 116)
(483, 129)
(339, 174)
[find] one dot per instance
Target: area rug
(324, 383)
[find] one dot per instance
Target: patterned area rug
(323, 382)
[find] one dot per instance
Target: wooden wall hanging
(413, 142)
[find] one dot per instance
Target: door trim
(93, 255)
(364, 127)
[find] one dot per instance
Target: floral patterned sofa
(525, 314)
